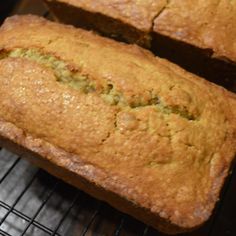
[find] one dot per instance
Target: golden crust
(207, 25)
(169, 164)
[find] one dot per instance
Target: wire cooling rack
(34, 203)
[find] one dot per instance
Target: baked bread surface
(116, 116)
(204, 24)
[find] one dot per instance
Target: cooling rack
(34, 203)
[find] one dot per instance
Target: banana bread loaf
(198, 35)
(131, 129)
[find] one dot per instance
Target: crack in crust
(72, 77)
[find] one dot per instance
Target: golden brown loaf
(129, 128)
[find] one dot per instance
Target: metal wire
(26, 218)
(10, 169)
(65, 214)
(145, 232)
(86, 228)
(119, 227)
(41, 207)
(18, 198)
(4, 233)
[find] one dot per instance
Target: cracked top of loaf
(161, 137)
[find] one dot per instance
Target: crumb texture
(167, 135)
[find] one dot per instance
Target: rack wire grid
(34, 203)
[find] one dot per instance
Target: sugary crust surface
(204, 24)
(138, 13)
(167, 163)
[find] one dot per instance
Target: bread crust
(207, 25)
(130, 21)
(167, 158)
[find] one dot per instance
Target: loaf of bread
(130, 21)
(126, 127)
(198, 35)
